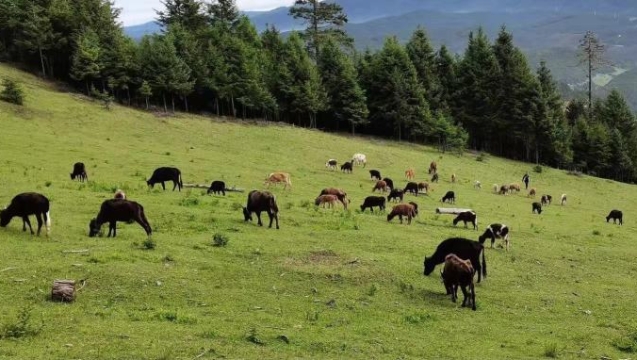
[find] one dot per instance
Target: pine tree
(146, 91)
(557, 145)
(85, 62)
(12, 92)
(324, 19)
(37, 34)
(592, 56)
(445, 70)
(188, 14)
(224, 13)
(424, 59)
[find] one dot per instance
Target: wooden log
(454, 211)
(204, 186)
(63, 290)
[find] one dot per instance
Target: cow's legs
(38, 217)
(26, 220)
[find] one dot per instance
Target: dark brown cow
(114, 210)
(380, 186)
(259, 201)
(339, 193)
(26, 204)
(467, 216)
(401, 210)
(433, 168)
(163, 174)
(79, 171)
(459, 272)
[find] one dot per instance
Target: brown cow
(410, 174)
(433, 167)
(459, 272)
(514, 187)
(279, 177)
(424, 187)
(532, 192)
(339, 193)
(453, 178)
(120, 194)
(329, 200)
(401, 210)
(381, 186)
(504, 189)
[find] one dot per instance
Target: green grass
(328, 284)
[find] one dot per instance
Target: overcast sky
(141, 11)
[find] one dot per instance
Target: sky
(140, 11)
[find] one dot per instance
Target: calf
(277, 178)
(331, 164)
(477, 184)
(464, 248)
(79, 171)
(411, 187)
(546, 199)
(329, 200)
(120, 194)
(563, 199)
(458, 272)
(410, 174)
(532, 192)
(449, 197)
(504, 189)
(537, 207)
(453, 178)
(395, 194)
(347, 167)
(616, 215)
(424, 187)
(339, 193)
(26, 204)
(467, 216)
(259, 201)
(163, 174)
(514, 187)
(381, 186)
(390, 183)
(375, 174)
(359, 159)
(401, 210)
(217, 187)
(434, 178)
(372, 201)
(433, 168)
(494, 231)
(114, 210)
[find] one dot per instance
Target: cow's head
(246, 214)
(4, 218)
(150, 183)
(93, 228)
(429, 265)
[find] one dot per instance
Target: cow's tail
(484, 264)
(47, 219)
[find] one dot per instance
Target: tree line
(210, 58)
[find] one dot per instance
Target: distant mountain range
(544, 29)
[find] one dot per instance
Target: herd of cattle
(461, 257)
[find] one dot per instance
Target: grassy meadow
(328, 284)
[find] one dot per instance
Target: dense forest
(210, 58)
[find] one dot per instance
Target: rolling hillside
(328, 284)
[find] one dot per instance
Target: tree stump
(63, 290)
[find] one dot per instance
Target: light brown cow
(279, 177)
(514, 187)
(380, 186)
(410, 174)
(424, 187)
(339, 193)
(329, 200)
(532, 192)
(453, 178)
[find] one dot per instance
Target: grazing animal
(79, 171)
(537, 207)
(390, 183)
(410, 174)
(514, 187)
(424, 187)
(494, 231)
(347, 167)
(616, 215)
(331, 164)
(395, 194)
(114, 210)
(401, 210)
(467, 216)
(375, 174)
(504, 189)
(339, 193)
(411, 187)
(532, 192)
(477, 184)
(372, 201)
(277, 178)
(563, 199)
(381, 186)
(459, 273)
(546, 199)
(415, 207)
(359, 159)
(329, 200)
(464, 248)
(163, 174)
(449, 197)
(434, 178)
(119, 194)
(495, 188)
(433, 168)
(26, 204)
(217, 187)
(453, 178)
(259, 201)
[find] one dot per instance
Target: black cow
(259, 201)
(616, 215)
(493, 231)
(375, 174)
(163, 174)
(411, 187)
(372, 201)
(536, 207)
(26, 204)
(79, 171)
(217, 187)
(114, 210)
(467, 216)
(434, 178)
(464, 248)
(395, 194)
(390, 183)
(450, 197)
(347, 167)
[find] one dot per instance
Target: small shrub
(372, 290)
(167, 153)
(168, 258)
(596, 233)
(537, 169)
(103, 96)
(219, 240)
(482, 157)
(149, 244)
(48, 184)
(550, 351)
(253, 338)
(12, 92)
(21, 327)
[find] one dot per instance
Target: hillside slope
(329, 283)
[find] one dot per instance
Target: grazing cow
(395, 194)
(495, 188)
(279, 177)
(163, 174)
(259, 201)
(329, 200)
(79, 171)
(449, 197)
(410, 174)
(494, 231)
(120, 194)
(372, 201)
(514, 187)
(375, 174)
(390, 183)
(401, 210)
(411, 187)
(464, 248)
(347, 167)
(504, 189)
(477, 184)
(433, 168)
(339, 193)
(563, 199)
(458, 272)
(616, 215)
(415, 207)
(467, 216)
(26, 204)
(434, 178)
(453, 178)
(331, 164)
(381, 186)
(359, 159)
(114, 210)
(546, 199)
(217, 187)
(424, 187)
(532, 192)
(537, 207)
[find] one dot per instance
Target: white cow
(359, 159)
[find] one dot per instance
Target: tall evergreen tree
(592, 56)
(324, 19)
(38, 35)
(445, 68)
(189, 14)
(423, 57)
(556, 147)
(224, 13)
(86, 66)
